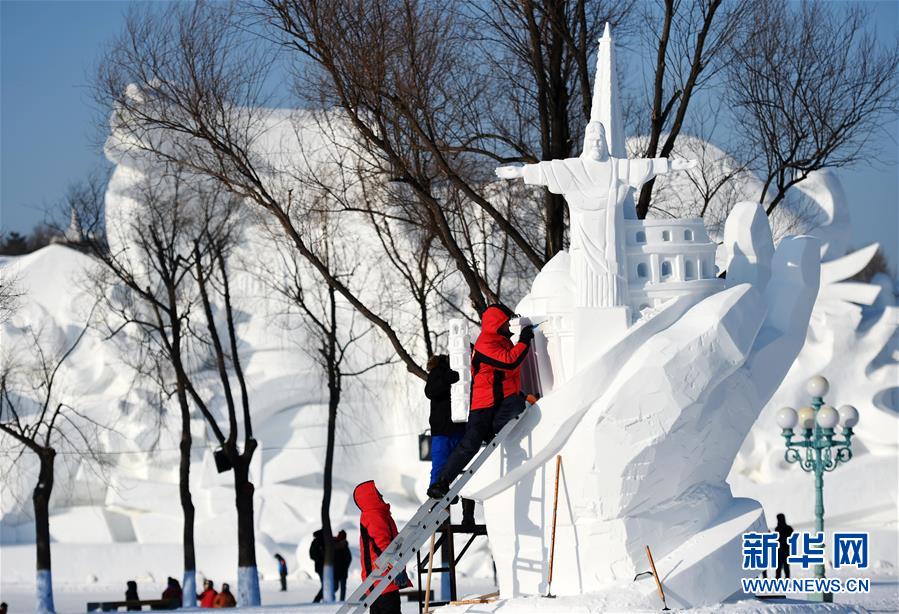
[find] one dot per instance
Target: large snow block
(280, 521)
(142, 495)
(158, 528)
(90, 525)
(707, 567)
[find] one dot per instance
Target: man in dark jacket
(445, 434)
(495, 392)
(342, 559)
(317, 554)
(376, 530)
(784, 531)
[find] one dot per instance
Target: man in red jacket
(495, 390)
(376, 530)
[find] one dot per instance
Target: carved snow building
(665, 258)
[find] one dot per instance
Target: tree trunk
(327, 535)
(41, 500)
(555, 223)
(189, 599)
(247, 574)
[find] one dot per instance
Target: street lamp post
(822, 452)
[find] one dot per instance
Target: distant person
(445, 434)
(131, 595)
(376, 530)
(784, 531)
(3, 608)
(225, 599)
(342, 559)
(173, 591)
(282, 571)
(317, 554)
(495, 390)
(207, 597)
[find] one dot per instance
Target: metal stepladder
(428, 519)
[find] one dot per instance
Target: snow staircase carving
(417, 531)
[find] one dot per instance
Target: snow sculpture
(853, 340)
(648, 424)
(597, 187)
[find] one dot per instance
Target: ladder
(428, 519)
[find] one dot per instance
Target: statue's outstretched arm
(510, 172)
(531, 173)
(643, 169)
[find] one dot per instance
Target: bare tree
(539, 53)
(811, 86)
(144, 285)
(185, 86)
(401, 74)
(692, 43)
(36, 416)
(10, 293)
(169, 259)
(333, 333)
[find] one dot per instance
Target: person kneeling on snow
(207, 597)
(225, 599)
(445, 434)
(376, 530)
(495, 392)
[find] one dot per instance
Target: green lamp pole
(818, 451)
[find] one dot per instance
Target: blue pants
(441, 447)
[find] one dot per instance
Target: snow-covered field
(884, 597)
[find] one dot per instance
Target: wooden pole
(655, 575)
(428, 582)
(552, 543)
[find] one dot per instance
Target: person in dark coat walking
(131, 595)
(342, 559)
(495, 392)
(784, 531)
(376, 530)
(317, 554)
(445, 434)
(282, 571)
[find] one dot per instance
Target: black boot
(438, 490)
(468, 513)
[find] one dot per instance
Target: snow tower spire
(606, 107)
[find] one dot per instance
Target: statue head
(595, 146)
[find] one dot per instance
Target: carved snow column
(460, 362)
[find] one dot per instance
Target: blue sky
(49, 137)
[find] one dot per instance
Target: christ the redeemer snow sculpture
(590, 184)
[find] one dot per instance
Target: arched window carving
(642, 270)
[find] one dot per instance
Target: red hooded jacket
(495, 362)
(376, 527)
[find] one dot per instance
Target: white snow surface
(126, 524)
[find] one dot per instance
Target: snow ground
(884, 597)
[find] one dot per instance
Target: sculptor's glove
(527, 334)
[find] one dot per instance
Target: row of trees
(414, 104)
